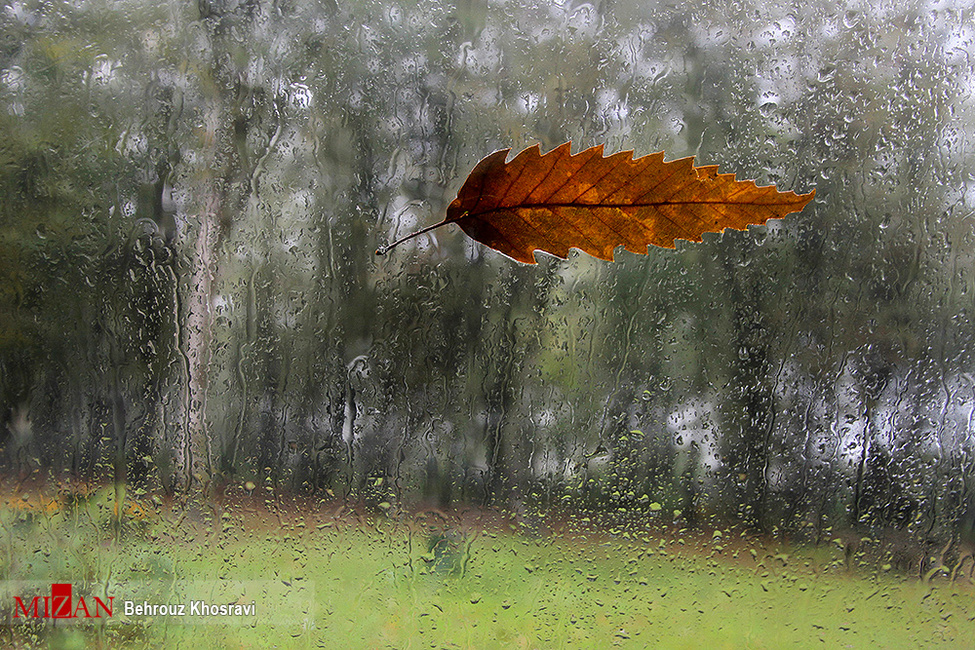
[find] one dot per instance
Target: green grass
(375, 582)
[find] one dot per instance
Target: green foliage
(191, 193)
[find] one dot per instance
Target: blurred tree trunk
(193, 462)
(226, 182)
(750, 401)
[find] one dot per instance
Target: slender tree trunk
(193, 462)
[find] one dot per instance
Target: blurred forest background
(191, 195)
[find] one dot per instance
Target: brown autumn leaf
(556, 201)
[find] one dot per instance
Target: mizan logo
(62, 604)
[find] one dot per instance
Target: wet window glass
(219, 406)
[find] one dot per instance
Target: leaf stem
(385, 249)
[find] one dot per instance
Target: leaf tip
(806, 199)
